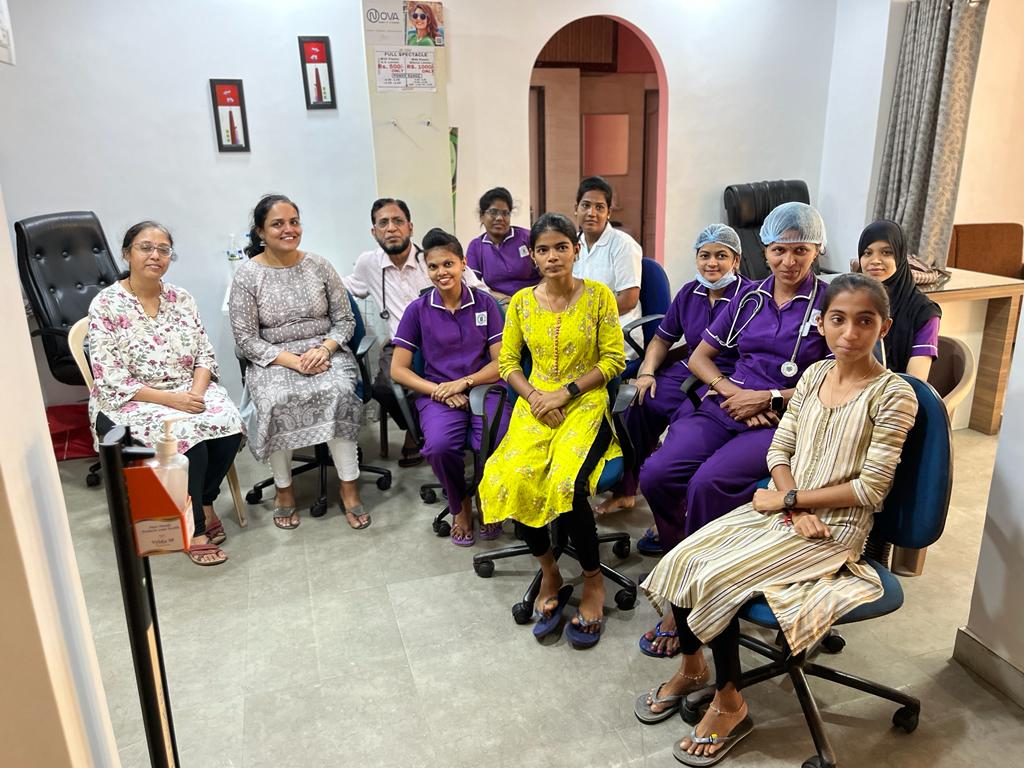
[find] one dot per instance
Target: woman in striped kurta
(799, 543)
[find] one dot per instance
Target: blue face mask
(723, 282)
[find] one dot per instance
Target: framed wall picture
(229, 115)
(317, 72)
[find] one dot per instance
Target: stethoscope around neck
(789, 368)
(384, 313)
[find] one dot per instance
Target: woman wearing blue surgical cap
(712, 459)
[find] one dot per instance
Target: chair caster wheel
(485, 569)
(690, 714)
(625, 599)
(833, 643)
(621, 549)
(442, 528)
(384, 482)
(522, 612)
(254, 496)
(428, 495)
(92, 480)
(319, 508)
(906, 718)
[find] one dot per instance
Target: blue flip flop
(648, 544)
(547, 624)
(578, 635)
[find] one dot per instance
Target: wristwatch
(778, 402)
(789, 500)
(573, 390)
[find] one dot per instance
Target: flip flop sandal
(356, 512)
(283, 518)
(647, 643)
(216, 534)
(743, 727)
(489, 531)
(547, 624)
(643, 710)
(648, 544)
(462, 538)
(578, 635)
(197, 551)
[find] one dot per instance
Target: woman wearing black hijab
(912, 342)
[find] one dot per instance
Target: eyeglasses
(419, 15)
(587, 206)
(499, 213)
(397, 221)
(165, 251)
(716, 256)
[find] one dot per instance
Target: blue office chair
(620, 395)
(914, 515)
(360, 344)
(655, 298)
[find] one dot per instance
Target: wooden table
(1003, 298)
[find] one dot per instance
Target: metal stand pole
(139, 602)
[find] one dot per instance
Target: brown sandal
(216, 533)
(197, 552)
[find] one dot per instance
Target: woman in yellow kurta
(560, 434)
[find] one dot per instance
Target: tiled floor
(331, 647)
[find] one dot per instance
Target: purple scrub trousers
(445, 433)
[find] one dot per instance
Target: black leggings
(725, 648)
(208, 463)
(579, 520)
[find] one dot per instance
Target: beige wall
(990, 182)
(561, 139)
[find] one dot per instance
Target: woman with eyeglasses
(152, 361)
(292, 320)
(423, 25)
(500, 257)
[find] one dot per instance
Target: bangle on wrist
(644, 373)
(326, 349)
(714, 381)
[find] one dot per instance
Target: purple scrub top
(690, 313)
(456, 344)
(506, 267)
(765, 340)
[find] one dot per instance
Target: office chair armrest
(478, 407)
(689, 388)
(640, 322)
(365, 345)
(402, 396)
(60, 333)
(623, 398)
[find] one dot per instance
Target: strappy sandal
(356, 513)
(644, 702)
(197, 551)
(742, 728)
(216, 533)
(283, 518)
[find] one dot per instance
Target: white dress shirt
(615, 260)
(391, 288)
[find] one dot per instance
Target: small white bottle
(168, 533)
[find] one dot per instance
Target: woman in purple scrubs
(659, 397)
(500, 257)
(913, 341)
(458, 330)
(712, 459)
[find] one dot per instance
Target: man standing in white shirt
(392, 274)
(608, 255)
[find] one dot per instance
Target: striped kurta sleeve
(896, 410)
(784, 443)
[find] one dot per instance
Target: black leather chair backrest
(64, 261)
(747, 205)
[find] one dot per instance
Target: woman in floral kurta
(560, 435)
(151, 361)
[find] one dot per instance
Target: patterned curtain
(924, 143)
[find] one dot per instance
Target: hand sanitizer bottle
(171, 467)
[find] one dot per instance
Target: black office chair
(747, 206)
(64, 261)
(620, 395)
(360, 344)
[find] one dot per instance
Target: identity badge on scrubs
(481, 319)
(812, 322)
(523, 251)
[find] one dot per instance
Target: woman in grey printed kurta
(799, 543)
(292, 321)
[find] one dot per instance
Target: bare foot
(206, 558)
(661, 645)
(350, 500)
(547, 597)
(284, 497)
(615, 504)
(717, 720)
(692, 676)
(592, 602)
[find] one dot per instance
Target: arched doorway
(597, 107)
